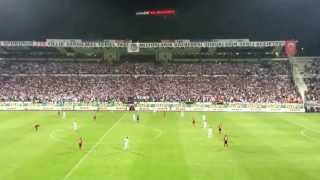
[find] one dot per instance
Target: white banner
(133, 47)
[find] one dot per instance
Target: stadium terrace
(225, 73)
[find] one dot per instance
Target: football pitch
(263, 146)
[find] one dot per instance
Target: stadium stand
(220, 82)
(312, 80)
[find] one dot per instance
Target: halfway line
(92, 148)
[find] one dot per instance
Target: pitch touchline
(92, 148)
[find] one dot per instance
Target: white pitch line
(304, 135)
(92, 148)
(56, 138)
(160, 133)
(310, 129)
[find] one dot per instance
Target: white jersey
(64, 114)
(182, 114)
(125, 144)
(204, 118)
(205, 124)
(134, 117)
(210, 132)
(75, 126)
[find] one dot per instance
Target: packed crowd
(313, 80)
(47, 67)
(313, 67)
(221, 82)
(313, 92)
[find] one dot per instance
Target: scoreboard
(160, 12)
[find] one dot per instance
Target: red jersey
(80, 143)
(36, 127)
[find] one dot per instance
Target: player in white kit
(126, 143)
(75, 125)
(204, 117)
(210, 132)
(64, 115)
(182, 113)
(205, 124)
(134, 118)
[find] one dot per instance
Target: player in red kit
(138, 118)
(36, 127)
(193, 122)
(220, 128)
(80, 143)
(94, 116)
(225, 139)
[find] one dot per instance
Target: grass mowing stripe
(93, 147)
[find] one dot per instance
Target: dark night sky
(195, 19)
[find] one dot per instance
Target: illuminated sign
(162, 12)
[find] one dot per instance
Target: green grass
(264, 146)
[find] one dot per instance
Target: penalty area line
(92, 148)
(302, 134)
(302, 126)
(306, 136)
